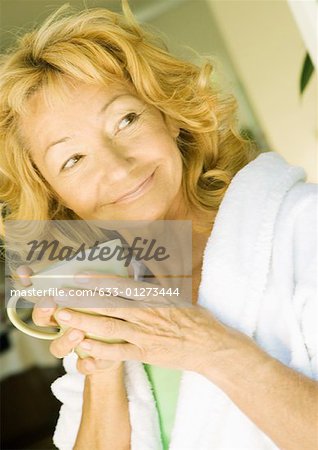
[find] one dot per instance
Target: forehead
(50, 110)
(72, 95)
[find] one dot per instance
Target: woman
(92, 106)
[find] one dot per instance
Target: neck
(180, 211)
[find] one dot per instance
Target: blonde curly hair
(98, 46)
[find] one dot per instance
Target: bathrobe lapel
(234, 276)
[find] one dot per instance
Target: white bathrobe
(258, 276)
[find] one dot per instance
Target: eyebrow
(104, 108)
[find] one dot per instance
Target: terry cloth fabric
(258, 276)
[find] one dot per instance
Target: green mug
(53, 276)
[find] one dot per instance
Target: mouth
(139, 190)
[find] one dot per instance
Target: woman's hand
(43, 311)
(159, 330)
(43, 316)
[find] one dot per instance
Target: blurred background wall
(267, 51)
(258, 51)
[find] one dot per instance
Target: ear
(173, 126)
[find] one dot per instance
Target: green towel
(165, 385)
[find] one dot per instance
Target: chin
(142, 212)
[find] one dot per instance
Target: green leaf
(306, 73)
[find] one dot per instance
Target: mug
(55, 274)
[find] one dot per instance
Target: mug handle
(22, 326)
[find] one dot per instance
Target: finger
(138, 291)
(104, 327)
(111, 306)
(63, 345)
(89, 366)
(86, 366)
(43, 313)
(114, 352)
(89, 300)
(127, 287)
(24, 273)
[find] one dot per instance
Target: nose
(114, 166)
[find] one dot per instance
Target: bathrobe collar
(235, 268)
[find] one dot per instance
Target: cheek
(170, 172)
(174, 159)
(79, 198)
(165, 147)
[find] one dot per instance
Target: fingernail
(44, 310)
(75, 335)
(64, 315)
(85, 345)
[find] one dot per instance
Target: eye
(71, 162)
(127, 120)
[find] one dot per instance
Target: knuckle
(39, 319)
(59, 347)
(97, 350)
(101, 364)
(81, 367)
(109, 327)
(78, 319)
(54, 349)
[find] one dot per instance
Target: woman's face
(99, 146)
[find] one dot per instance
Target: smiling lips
(137, 191)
